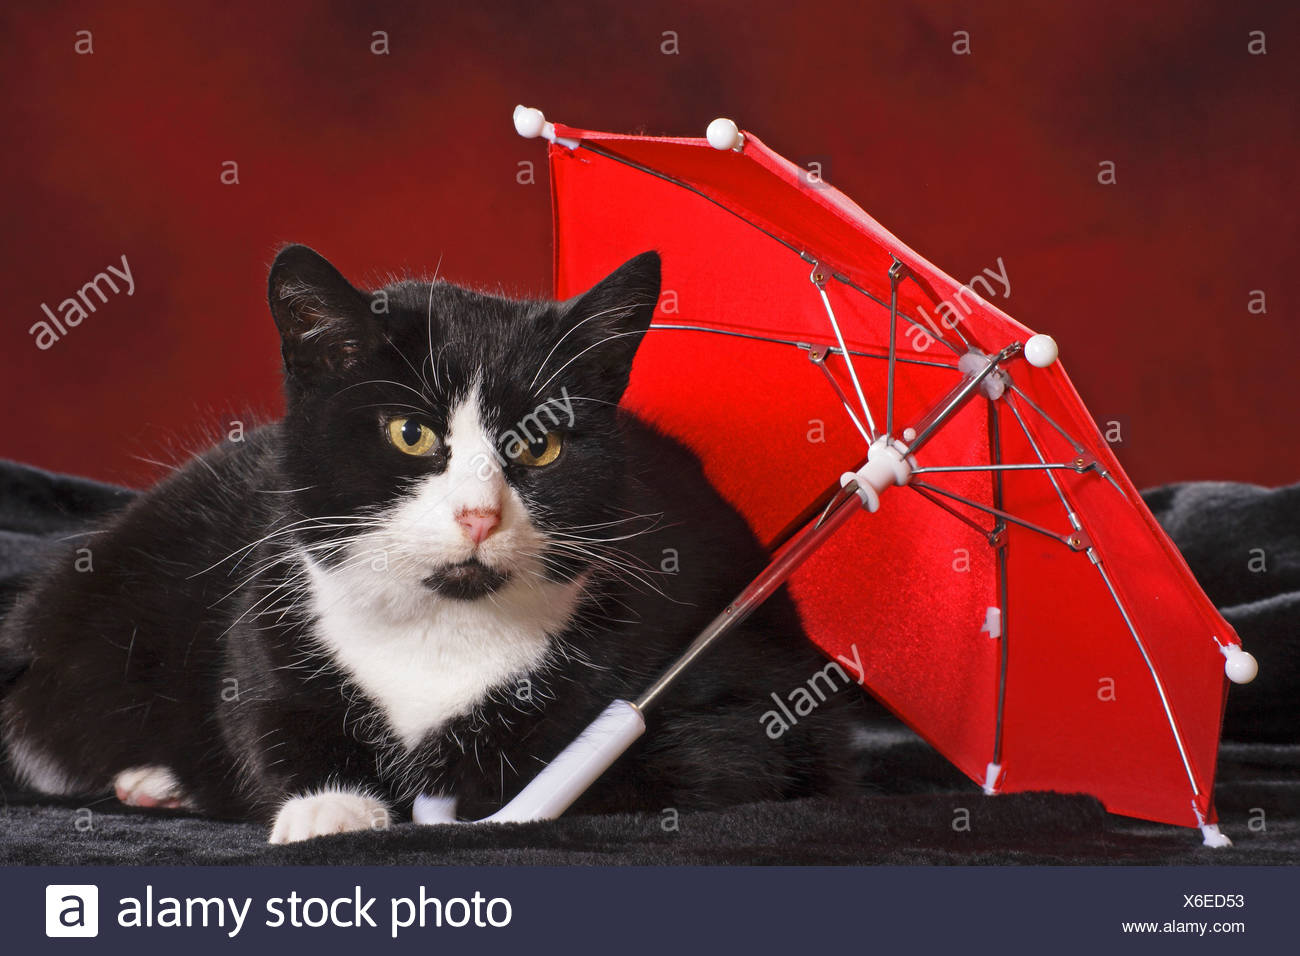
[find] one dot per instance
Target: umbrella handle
(564, 779)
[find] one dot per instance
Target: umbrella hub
(992, 385)
(887, 465)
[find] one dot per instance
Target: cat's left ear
(324, 323)
(604, 326)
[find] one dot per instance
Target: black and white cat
(453, 551)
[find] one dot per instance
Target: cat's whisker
(156, 463)
(421, 409)
(285, 529)
(418, 374)
(655, 516)
(626, 569)
(594, 401)
(606, 339)
(327, 547)
(252, 576)
(433, 369)
(383, 381)
(573, 328)
(562, 536)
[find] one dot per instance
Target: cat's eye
(541, 452)
(412, 437)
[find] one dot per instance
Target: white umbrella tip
(1041, 350)
(724, 134)
(1240, 666)
(1213, 837)
(529, 122)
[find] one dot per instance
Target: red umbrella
(1012, 600)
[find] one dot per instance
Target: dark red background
(386, 163)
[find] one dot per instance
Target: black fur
(169, 651)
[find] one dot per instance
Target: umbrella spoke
(818, 279)
(838, 499)
(1155, 678)
(999, 536)
(924, 492)
(928, 330)
(1046, 417)
(1064, 434)
(1096, 560)
(1033, 443)
(897, 273)
(1074, 542)
(1057, 466)
(830, 350)
(818, 358)
(623, 160)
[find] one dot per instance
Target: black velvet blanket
(1242, 542)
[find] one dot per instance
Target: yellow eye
(412, 437)
(539, 453)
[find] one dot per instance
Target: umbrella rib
(650, 171)
(1048, 418)
(993, 468)
(996, 512)
(1160, 687)
(1114, 595)
(1066, 435)
(844, 349)
(819, 359)
(731, 332)
(802, 254)
(995, 448)
(1069, 512)
(923, 491)
(928, 330)
(806, 346)
(831, 505)
(896, 273)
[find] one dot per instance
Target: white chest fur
(426, 659)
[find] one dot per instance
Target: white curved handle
(577, 767)
(563, 780)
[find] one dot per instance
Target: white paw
(328, 811)
(150, 787)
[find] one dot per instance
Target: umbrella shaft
(955, 400)
(800, 547)
(758, 591)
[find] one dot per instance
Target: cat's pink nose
(478, 523)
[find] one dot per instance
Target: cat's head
(443, 444)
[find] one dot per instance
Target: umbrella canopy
(1015, 603)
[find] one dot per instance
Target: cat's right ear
(325, 323)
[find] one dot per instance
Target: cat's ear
(324, 323)
(604, 326)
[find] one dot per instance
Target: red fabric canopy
(1126, 709)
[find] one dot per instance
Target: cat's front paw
(328, 811)
(152, 786)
